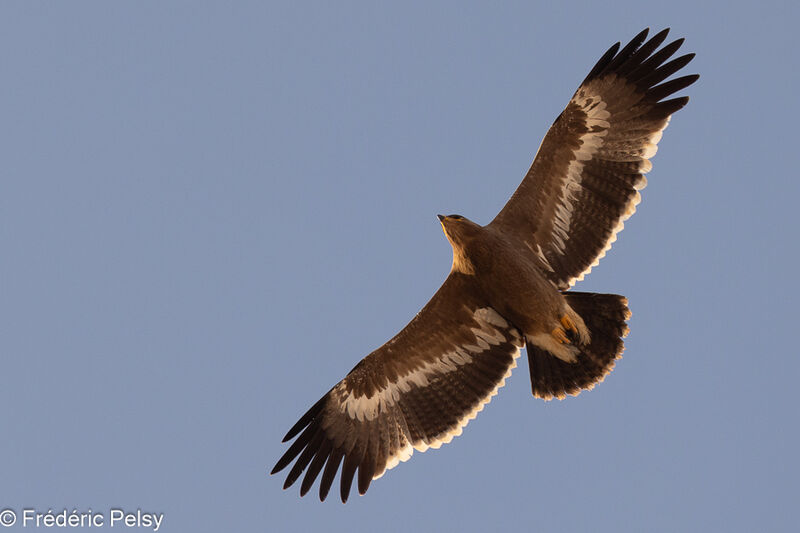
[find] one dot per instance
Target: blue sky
(210, 212)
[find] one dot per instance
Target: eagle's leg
(560, 335)
(565, 340)
(574, 327)
(568, 324)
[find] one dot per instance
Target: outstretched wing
(585, 180)
(415, 392)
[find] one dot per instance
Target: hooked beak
(441, 218)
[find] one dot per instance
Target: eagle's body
(508, 286)
(507, 274)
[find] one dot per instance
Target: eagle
(508, 286)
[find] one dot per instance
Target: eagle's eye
(455, 217)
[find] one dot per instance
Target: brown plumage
(507, 286)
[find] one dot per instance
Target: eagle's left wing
(585, 180)
(415, 392)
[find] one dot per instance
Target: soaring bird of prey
(508, 286)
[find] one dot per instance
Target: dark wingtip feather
(304, 459)
(636, 42)
(306, 419)
(602, 62)
(315, 467)
(668, 107)
(643, 52)
(365, 473)
(331, 467)
(655, 41)
(654, 61)
(665, 89)
(665, 71)
(627, 51)
(351, 462)
(296, 447)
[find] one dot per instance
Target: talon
(560, 335)
(568, 324)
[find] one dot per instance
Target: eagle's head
(459, 231)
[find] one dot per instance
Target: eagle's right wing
(415, 392)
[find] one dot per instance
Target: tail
(604, 316)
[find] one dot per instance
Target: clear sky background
(209, 212)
